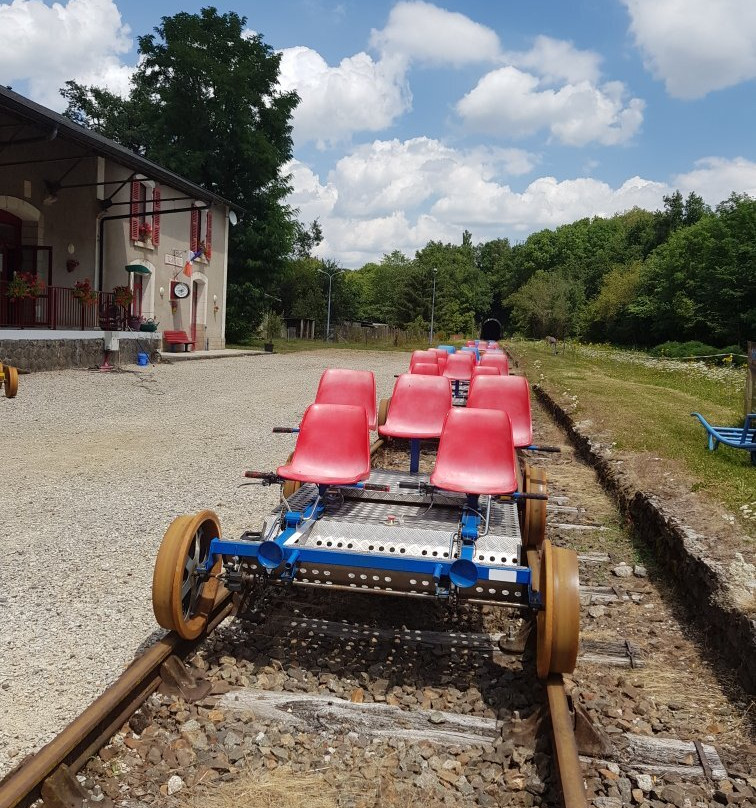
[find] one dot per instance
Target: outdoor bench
(177, 338)
(735, 436)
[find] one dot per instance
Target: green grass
(643, 404)
(297, 345)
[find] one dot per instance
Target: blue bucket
(142, 359)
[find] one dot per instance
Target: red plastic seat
(418, 407)
(426, 369)
(333, 446)
(485, 370)
(422, 356)
(459, 366)
(441, 357)
(496, 360)
(471, 343)
(476, 454)
(510, 394)
(341, 386)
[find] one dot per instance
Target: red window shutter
(135, 200)
(156, 215)
(209, 233)
(194, 230)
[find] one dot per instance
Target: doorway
(10, 244)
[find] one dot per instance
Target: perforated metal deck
(409, 524)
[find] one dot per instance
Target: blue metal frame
(281, 561)
(293, 556)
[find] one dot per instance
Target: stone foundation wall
(33, 352)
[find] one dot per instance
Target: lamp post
(329, 275)
(433, 306)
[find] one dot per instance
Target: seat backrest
(510, 394)
(485, 370)
(459, 366)
(333, 446)
(427, 357)
(496, 360)
(476, 454)
(426, 369)
(441, 357)
(342, 386)
(471, 342)
(448, 348)
(473, 350)
(418, 407)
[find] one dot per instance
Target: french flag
(190, 256)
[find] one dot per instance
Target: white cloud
(556, 60)
(400, 194)
(696, 46)
(360, 95)
(385, 176)
(715, 178)
(511, 103)
(419, 31)
(47, 45)
(546, 202)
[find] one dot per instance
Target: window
(145, 212)
(201, 231)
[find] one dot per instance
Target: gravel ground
(94, 468)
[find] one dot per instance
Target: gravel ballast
(94, 467)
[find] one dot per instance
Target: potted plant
(25, 285)
(273, 325)
(71, 264)
(84, 293)
(150, 324)
(122, 296)
(145, 232)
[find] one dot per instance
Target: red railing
(55, 308)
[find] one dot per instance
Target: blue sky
(419, 120)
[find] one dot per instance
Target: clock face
(180, 290)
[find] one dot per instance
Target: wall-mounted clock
(180, 290)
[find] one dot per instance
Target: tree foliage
(205, 102)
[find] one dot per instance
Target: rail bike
(472, 530)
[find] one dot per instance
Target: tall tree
(205, 102)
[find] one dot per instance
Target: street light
(433, 306)
(329, 275)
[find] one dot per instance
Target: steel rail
(92, 730)
(565, 746)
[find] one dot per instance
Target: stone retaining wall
(33, 351)
(701, 582)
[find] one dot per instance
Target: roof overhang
(65, 129)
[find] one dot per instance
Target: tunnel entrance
(490, 329)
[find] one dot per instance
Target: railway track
(310, 642)
(50, 773)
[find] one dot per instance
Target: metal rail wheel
(181, 600)
(9, 376)
(534, 512)
(383, 407)
(559, 618)
(290, 487)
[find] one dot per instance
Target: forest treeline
(641, 278)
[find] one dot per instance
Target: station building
(95, 237)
